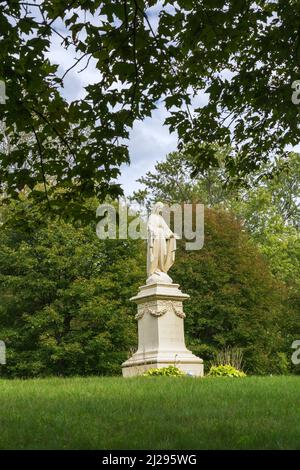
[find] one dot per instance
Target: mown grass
(150, 413)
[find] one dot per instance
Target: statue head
(157, 208)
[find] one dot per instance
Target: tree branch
(42, 164)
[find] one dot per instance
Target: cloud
(150, 141)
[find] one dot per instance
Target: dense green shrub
(225, 371)
(64, 299)
(164, 371)
(234, 299)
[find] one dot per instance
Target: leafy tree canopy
(172, 182)
(244, 54)
(64, 296)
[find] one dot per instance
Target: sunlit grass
(150, 413)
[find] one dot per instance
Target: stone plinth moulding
(161, 342)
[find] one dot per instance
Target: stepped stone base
(161, 332)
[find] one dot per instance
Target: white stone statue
(161, 247)
(160, 312)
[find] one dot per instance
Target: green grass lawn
(150, 413)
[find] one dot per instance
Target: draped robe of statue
(161, 244)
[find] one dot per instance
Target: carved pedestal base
(161, 333)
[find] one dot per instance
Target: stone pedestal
(161, 332)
